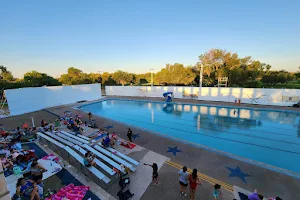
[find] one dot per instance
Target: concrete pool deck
(212, 164)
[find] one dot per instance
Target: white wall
(26, 100)
(262, 96)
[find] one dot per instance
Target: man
(183, 181)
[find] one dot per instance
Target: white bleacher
(116, 158)
(69, 139)
(75, 137)
(125, 157)
(59, 139)
(92, 169)
(98, 162)
(102, 150)
(51, 140)
(103, 157)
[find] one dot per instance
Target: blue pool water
(270, 137)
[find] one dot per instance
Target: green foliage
(122, 77)
(274, 77)
(76, 76)
(37, 79)
(5, 74)
(175, 74)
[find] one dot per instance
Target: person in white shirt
(183, 181)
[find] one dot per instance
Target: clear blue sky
(136, 35)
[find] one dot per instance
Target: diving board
(92, 169)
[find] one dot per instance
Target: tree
(122, 77)
(5, 74)
(107, 79)
(75, 77)
(37, 79)
(219, 63)
(176, 74)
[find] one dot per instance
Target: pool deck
(213, 164)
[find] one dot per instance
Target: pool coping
(230, 155)
(196, 104)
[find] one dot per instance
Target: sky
(134, 36)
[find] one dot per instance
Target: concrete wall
(26, 100)
(264, 96)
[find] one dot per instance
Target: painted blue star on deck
(238, 173)
(173, 150)
(134, 136)
(109, 127)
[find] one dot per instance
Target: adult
(194, 182)
(183, 181)
(37, 171)
(43, 123)
(88, 159)
(90, 116)
(255, 196)
(129, 135)
(106, 141)
(154, 173)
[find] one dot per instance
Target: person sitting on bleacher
(106, 141)
(125, 195)
(88, 159)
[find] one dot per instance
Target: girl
(154, 173)
(27, 189)
(88, 160)
(194, 182)
(216, 191)
(37, 172)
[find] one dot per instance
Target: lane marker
(204, 177)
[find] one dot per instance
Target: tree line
(216, 63)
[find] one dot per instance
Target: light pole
(151, 70)
(201, 74)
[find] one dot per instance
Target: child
(216, 191)
(154, 173)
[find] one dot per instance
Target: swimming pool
(270, 137)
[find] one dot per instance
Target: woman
(27, 189)
(88, 160)
(37, 172)
(129, 135)
(194, 182)
(183, 181)
(154, 173)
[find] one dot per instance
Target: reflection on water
(217, 118)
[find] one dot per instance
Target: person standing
(90, 116)
(217, 192)
(129, 135)
(183, 181)
(194, 182)
(154, 173)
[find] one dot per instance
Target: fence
(263, 96)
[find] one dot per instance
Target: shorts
(36, 178)
(154, 175)
(183, 184)
(88, 165)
